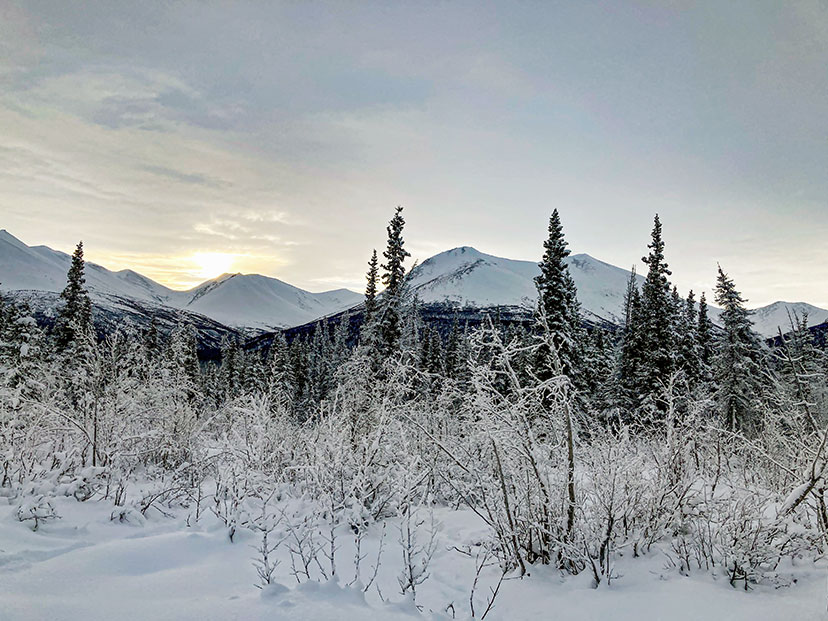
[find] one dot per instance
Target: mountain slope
(238, 300)
(768, 319)
(258, 301)
(40, 268)
(463, 276)
(468, 277)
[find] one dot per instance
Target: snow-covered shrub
(36, 509)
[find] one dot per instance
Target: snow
(252, 300)
(236, 300)
(795, 496)
(463, 275)
(768, 319)
(85, 566)
(469, 277)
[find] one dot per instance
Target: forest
(570, 445)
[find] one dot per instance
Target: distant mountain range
(235, 300)
(461, 277)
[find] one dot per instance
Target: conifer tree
(598, 367)
(393, 278)
(75, 315)
(371, 288)
(688, 357)
(152, 340)
(558, 307)
(737, 364)
(704, 339)
(281, 384)
(230, 376)
(21, 347)
(656, 319)
(182, 363)
(632, 354)
(453, 350)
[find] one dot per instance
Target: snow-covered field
(86, 566)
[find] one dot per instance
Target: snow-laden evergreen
(434, 470)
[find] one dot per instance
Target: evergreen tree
(371, 288)
(737, 363)
(598, 367)
(431, 352)
(152, 340)
(704, 339)
(394, 279)
(22, 348)
(75, 315)
(182, 366)
(633, 352)
(657, 320)
(281, 383)
(688, 358)
(230, 375)
(558, 308)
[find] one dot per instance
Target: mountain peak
(7, 237)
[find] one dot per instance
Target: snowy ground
(84, 566)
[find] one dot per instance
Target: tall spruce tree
(558, 308)
(598, 366)
(657, 320)
(393, 278)
(281, 384)
(737, 365)
(371, 288)
(688, 357)
(704, 338)
(75, 315)
(632, 353)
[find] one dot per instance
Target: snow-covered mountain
(463, 276)
(238, 300)
(40, 268)
(252, 300)
(768, 319)
(468, 277)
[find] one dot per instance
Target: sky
(185, 139)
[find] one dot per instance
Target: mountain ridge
(40, 268)
(462, 276)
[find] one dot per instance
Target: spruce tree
(371, 288)
(152, 340)
(632, 354)
(393, 278)
(657, 320)
(737, 364)
(75, 315)
(452, 357)
(558, 308)
(230, 376)
(281, 384)
(598, 367)
(689, 351)
(704, 339)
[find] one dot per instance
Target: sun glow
(212, 264)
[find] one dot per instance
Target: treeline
(567, 440)
(667, 344)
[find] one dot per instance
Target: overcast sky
(283, 134)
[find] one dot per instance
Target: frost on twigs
(35, 511)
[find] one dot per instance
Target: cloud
(193, 178)
(287, 132)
